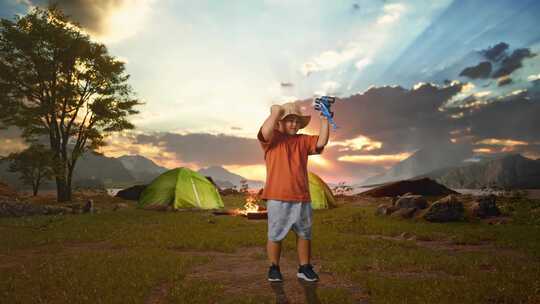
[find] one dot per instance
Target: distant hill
(512, 171)
(124, 171)
(90, 169)
(423, 161)
(143, 169)
(226, 179)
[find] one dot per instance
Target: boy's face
(289, 125)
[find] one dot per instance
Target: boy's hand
(276, 110)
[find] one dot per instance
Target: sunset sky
(409, 74)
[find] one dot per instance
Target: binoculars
(323, 104)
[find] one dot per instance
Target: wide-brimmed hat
(291, 108)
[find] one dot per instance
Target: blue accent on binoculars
(323, 104)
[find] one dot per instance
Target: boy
(287, 188)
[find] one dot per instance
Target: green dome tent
(181, 188)
(321, 195)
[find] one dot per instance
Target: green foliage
(35, 164)
(56, 82)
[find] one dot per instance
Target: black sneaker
(307, 273)
(274, 275)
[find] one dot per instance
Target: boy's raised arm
(267, 128)
(324, 132)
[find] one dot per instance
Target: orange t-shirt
(286, 159)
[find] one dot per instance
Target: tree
(56, 82)
(35, 164)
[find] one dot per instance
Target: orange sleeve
(266, 144)
(311, 144)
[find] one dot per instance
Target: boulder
(422, 186)
(485, 206)
(412, 201)
(88, 207)
(446, 209)
(131, 193)
(18, 209)
(385, 209)
(120, 206)
(404, 212)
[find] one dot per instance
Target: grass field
(137, 256)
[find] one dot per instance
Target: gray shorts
(283, 215)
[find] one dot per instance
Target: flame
(250, 205)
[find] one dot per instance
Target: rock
(132, 193)
(485, 206)
(406, 235)
(498, 220)
(18, 209)
(412, 201)
(422, 186)
(404, 212)
(385, 209)
(446, 209)
(88, 207)
(120, 206)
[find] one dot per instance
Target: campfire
(251, 209)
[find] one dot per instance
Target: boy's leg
(303, 242)
(302, 228)
(274, 251)
(278, 227)
(304, 250)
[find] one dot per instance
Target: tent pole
(196, 193)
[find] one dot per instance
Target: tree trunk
(63, 194)
(36, 186)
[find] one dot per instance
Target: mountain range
(424, 161)
(117, 172)
(226, 179)
(512, 171)
(461, 171)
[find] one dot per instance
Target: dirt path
(244, 272)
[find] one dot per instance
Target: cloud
(502, 142)
(286, 84)
(380, 159)
(513, 62)
(495, 53)
(107, 20)
(392, 13)
(533, 77)
(512, 116)
(360, 143)
(500, 61)
(329, 60)
(401, 119)
(206, 149)
(328, 88)
(361, 64)
(505, 80)
(481, 70)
